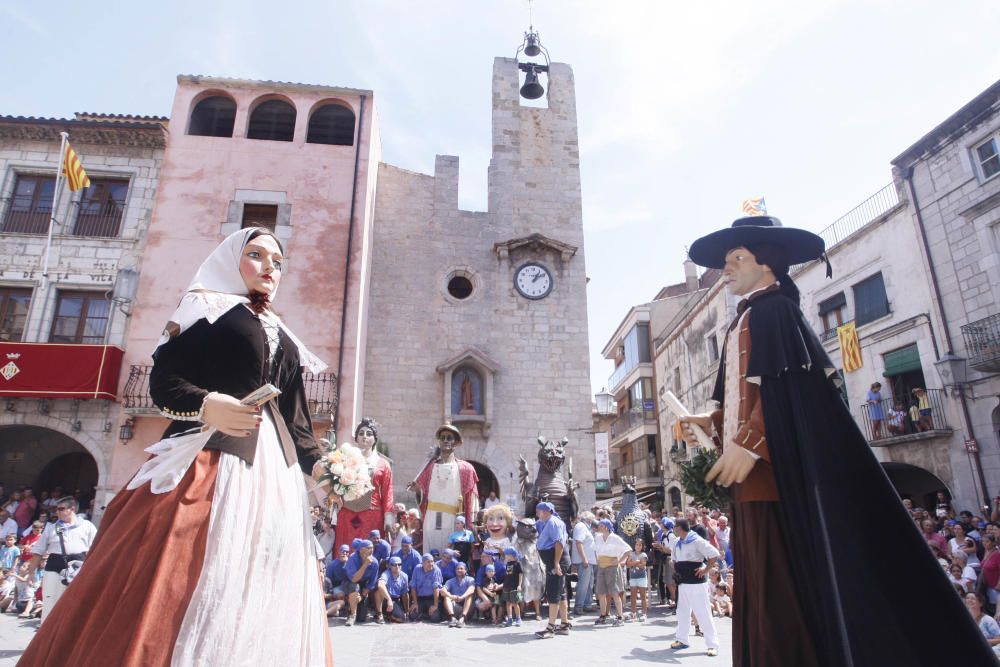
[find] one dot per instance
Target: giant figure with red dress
(447, 487)
(374, 510)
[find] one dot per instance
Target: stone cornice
(114, 133)
(534, 242)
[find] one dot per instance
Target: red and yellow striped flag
(850, 347)
(72, 169)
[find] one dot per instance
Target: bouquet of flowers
(347, 472)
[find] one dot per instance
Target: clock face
(533, 281)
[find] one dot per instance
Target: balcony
(646, 472)
(623, 372)
(59, 370)
(982, 343)
(321, 393)
(904, 429)
(631, 420)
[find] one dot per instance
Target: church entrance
(916, 484)
(487, 482)
(46, 461)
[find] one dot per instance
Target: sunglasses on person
(63, 508)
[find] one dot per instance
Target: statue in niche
(466, 393)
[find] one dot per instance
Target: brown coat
(759, 484)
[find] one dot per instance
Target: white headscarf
(218, 287)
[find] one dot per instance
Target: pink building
(301, 159)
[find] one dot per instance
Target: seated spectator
(961, 575)
(461, 539)
(327, 538)
(392, 592)
(27, 584)
(8, 581)
(987, 624)
(458, 592)
(409, 556)
(490, 557)
(425, 591)
(7, 524)
(447, 564)
(334, 589)
(512, 595)
(897, 420)
(722, 604)
(488, 592)
(362, 573)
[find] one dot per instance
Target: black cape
(871, 589)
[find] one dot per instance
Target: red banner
(57, 370)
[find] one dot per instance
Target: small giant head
(551, 453)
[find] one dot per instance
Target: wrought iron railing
(870, 209)
(881, 420)
(321, 392)
(27, 222)
(630, 420)
(643, 470)
(982, 343)
(101, 225)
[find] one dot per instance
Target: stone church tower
(480, 318)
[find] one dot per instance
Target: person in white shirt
(611, 551)
(7, 525)
(70, 530)
(693, 558)
(584, 562)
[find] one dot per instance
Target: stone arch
(487, 481)
(272, 117)
(332, 122)
(916, 483)
(212, 114)
(65, 428)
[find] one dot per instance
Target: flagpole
(55, 202)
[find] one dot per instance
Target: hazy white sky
(685, 109)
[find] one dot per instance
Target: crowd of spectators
(23, 519)
(389, 579)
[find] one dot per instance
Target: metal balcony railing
(982, 343)
(630, 420)
(27, 222)
(101, 225)
(321, 392)
(870, 209)
(644, 470)
(894, 424)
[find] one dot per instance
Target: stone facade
(533, 352)
(110, 147)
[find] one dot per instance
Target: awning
(57, 370)
(902, 360)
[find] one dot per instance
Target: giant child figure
(832, 569)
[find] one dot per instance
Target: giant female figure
(374, 510)
(207, 556)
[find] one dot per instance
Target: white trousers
(694, 598)
(52, 590)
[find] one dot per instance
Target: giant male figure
(832, 570)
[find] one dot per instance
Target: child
(7, 581)
(512, 596)
(721, 602)
(637, 579)
(489, 593)
(9, 552)
(27, 584)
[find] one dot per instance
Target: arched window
(331, 124)
(213, 117)
(274, 120)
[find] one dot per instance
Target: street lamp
(605, 402)
(953, 369)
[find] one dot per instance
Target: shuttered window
(870, 300)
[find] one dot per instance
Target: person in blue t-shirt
(425, 591)
(447, 564)
(362, 572)
(409, 556)
(552, 547)
(393, 589)
(491, 557)
(334, 591)
(459, 591)
(382, 549)
(461, 539)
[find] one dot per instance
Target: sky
(685, 109)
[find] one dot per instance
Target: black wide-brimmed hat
(798, 244)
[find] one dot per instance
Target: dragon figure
(631, 520)
(551, 484)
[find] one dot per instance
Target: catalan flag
(72, 169)
(754, 206)
(850, 347)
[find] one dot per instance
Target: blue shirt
(382, 550)
(461, 536)
(425, 583)
(447, 569)
(551, 531)
(369, 579)
(501, 570)
(411, 562)
(456, 587)
(396, 586)
(336, 573)
(8, 555)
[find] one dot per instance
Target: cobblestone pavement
(370, 644)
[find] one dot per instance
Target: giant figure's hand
(682, 427)
(732, 467)
(226, 414)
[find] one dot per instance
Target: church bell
(531, 89)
